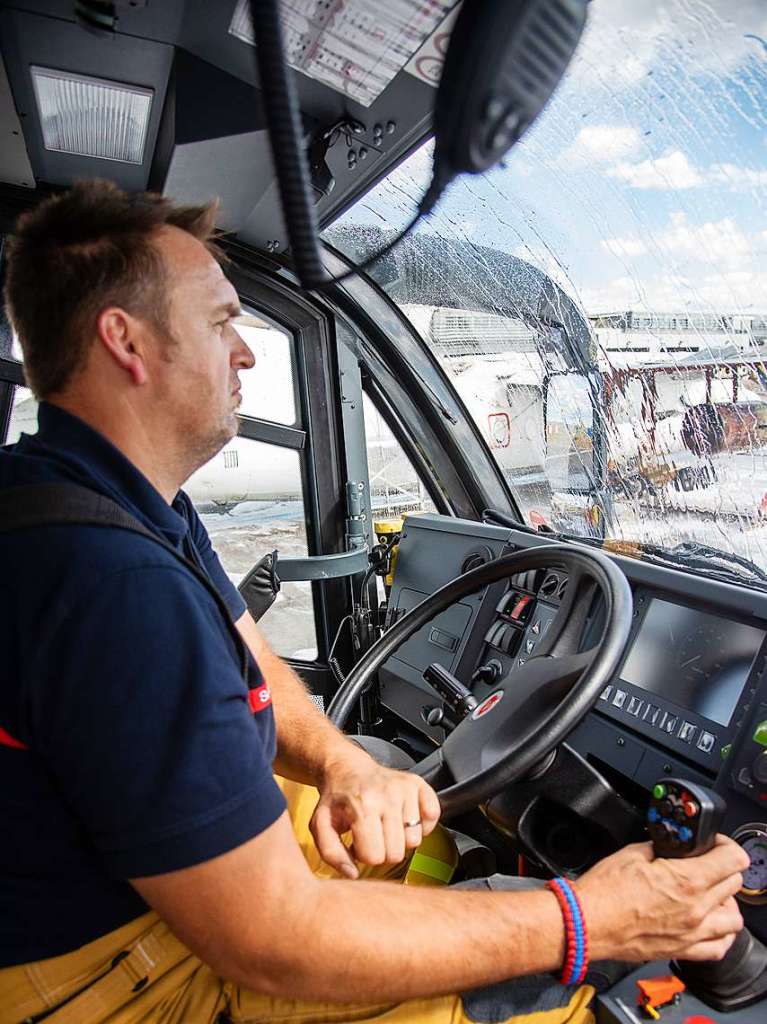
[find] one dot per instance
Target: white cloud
(734, 291)
(737, 177)
(624, 246)
(723, 242)
(715, 265)
(672, 171)
(689, 38)
(601, 143)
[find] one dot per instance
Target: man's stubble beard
(201, 441)
(196, 446)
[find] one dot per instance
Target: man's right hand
(639, 907)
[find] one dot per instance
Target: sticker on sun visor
(487, 704)
(427, 64)
(357, 49)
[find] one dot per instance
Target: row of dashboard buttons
(656, 716)
(505, 637)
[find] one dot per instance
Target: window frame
(313, 328)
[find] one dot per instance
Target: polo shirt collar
(110, 472)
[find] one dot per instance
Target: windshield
(600, 299)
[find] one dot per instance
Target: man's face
(196, 369)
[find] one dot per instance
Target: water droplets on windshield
(599, 301)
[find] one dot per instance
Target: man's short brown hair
(79, 252)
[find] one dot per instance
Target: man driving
(154, 869)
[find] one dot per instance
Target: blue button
(652, 815)
(685, 833)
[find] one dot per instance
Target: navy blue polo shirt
(139, 752)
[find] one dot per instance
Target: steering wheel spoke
(529, 697)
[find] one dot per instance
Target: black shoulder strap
(32, 505)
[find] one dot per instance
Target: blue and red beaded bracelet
(576, 936)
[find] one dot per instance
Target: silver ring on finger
(412, 824)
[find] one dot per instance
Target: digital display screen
(699, 661)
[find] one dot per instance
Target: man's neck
(129, 433)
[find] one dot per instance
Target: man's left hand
(388, 812)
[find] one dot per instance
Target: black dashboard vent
(562, 589)
(549, 585)
(479, 556)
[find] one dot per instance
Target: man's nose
(242, 356)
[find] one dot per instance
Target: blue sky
(644, 183)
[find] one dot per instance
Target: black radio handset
(682, 820)
(504, 61)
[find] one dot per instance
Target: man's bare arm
(307, 743)
(259, 917)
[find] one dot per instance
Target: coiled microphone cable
(283, 118)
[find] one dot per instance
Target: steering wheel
(509, 735)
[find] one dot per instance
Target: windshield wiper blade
(698, 556)
(685, 555)
(691, 556)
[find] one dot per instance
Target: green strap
(431, 866)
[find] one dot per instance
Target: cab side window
(395, 487)
(250, 499)
(23, 418)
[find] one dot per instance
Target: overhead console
(689, 699)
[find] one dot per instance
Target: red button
(690, 809)
(699, 1018)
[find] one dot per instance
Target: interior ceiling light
(92, 117)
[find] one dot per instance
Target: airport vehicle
(356, 409)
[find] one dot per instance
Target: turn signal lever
(683, 819)
(459, 699)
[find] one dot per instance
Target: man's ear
(122, 337)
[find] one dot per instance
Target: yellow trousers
(142, 974)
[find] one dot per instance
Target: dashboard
(688, 699)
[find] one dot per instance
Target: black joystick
(683, 819)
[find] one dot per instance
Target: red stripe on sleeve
(259, 697)
(6, 740)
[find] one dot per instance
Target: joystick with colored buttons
(683, 819)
